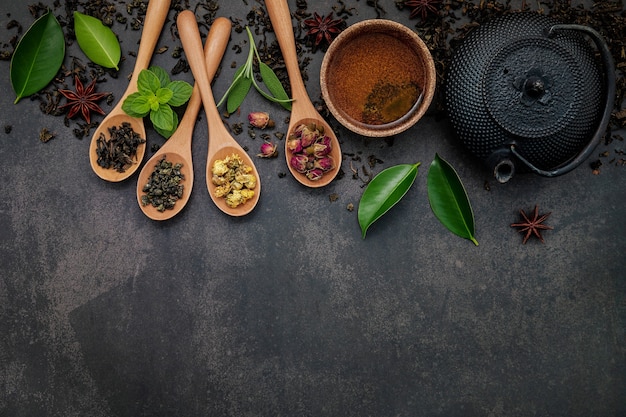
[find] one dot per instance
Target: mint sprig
(244, 79)
(156, 96)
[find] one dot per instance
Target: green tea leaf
(136, 105)
(383, 192)
(164, 95)
(97, 41)
(37, 57)
(163, 118)
(448, 199)
(273, 84)
(164, 77)
(181, 92)
(148, 82)
(238, 93)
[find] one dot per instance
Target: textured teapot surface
(512, 85)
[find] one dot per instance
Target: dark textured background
(287, 311)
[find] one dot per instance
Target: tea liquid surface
(378, 79)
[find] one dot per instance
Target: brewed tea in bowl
(378, 78)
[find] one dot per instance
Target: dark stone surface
(287, 311)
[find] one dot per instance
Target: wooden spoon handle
(192, 44)
(280, 16)
(152, 26)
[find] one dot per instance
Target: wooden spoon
(221, 143)
(302, 110)
(153, 23)
(177, 149)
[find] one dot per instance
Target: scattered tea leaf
(383, 192)
(97, 41)
(37, 57)
(448, 199)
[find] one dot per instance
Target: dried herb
(383, 192)
(156, 96)
(244, 79)
(83, 100)
(118, 152)
(324, 28)
(532, 226)
(163, 188)
(97, 41)
(448, 199)
(37, 57)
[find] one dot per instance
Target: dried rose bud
(294, 145)
(321, 149)
(299, 163)
(325, 164)
(314, 174)
(308, 137)
(260, 119)
(268, 150)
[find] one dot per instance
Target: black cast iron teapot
(525, 92)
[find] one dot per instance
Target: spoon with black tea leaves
(221, 143)
(177, 149)
(153, 23)
(302, 110)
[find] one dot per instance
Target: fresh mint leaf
(181, 92)
(164, 78)
(148, 82)
(164, 95)
(136, 105)
(163, 118)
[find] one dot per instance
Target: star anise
(422, 7)
(532, 226)
(83, 100)
(323, 27)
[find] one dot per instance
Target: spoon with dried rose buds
(152, 184)
(312, 149)
(117, 120)
(225, 155)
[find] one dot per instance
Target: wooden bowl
(378, 78)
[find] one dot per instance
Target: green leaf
(383, 192)
(167, 133)
(181, 92)
(238, 92)
(163, 118)
(148, 83)
(164, 77)
(97, 41)
(136, 105)
(448, 199)
(273, 84)
(37, 57)
(164, 95)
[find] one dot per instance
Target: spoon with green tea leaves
(117, 123)
(309, 171)
(224, 153)
(161, 193)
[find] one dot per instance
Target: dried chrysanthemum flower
(233, 180)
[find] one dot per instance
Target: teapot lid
(532, 87)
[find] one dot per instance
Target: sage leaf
(181, 92)
(238, 93)
(37, 57)
(162, 75)
(273, 84)
(448, 199)
(383, 192)
(97, 41)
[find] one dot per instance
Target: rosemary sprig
(244, 79)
